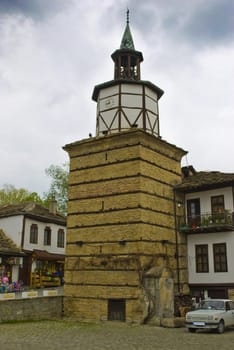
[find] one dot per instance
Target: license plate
(199, 323)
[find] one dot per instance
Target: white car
(211, 314)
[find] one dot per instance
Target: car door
(232, 312)
(229, 313)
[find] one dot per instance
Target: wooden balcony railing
(209, 222)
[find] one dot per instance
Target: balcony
(208, 223)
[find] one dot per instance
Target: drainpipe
(176, 241)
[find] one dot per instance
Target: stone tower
(125, 258)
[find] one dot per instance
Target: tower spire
(127, 40)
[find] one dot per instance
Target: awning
(44, 255)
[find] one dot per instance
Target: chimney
(188, 171)
(53, 206)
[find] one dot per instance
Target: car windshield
(212, 304)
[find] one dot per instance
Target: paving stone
(71, 335)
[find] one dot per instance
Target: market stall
(47, 269)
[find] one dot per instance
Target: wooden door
(193, 212)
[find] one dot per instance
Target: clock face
(109, 102)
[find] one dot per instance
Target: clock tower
(127, 101)
(125, 259)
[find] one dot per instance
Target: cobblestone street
(66, 335)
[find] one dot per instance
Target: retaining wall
(31, 309)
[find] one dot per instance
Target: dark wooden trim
(120, 224)
(119, 109)
(233, 197)
(143, 107)
(110, 83)
(23, 232)
(44, 219)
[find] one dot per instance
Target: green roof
(127, 40)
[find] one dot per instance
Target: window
(60, 238)
(116, 310)
(220, 257)
(202, 261)
(47, 236)
(33, 234)
(217, 204)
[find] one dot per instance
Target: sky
(53, 53)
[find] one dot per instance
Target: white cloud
(51, 60)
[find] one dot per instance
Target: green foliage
(59, 186)
(58, 190)
(11, 195)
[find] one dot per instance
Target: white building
(41, 234)
(209, 226)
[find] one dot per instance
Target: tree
(11, 195)
(58, 190)
(59, 186)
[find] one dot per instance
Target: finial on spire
(127, 41)
(127, 16)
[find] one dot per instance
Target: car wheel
(221, 327)
(192, 330)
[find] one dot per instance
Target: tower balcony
(208, 222)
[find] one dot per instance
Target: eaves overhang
(110, 83)
(48, 219)
(119, 52)
(204, 181)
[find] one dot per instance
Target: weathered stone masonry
(121, 237)
(42, 308)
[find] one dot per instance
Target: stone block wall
(121, 222)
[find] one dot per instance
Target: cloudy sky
(53, 53)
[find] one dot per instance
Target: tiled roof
(7, 246)
(206, 180)
(31, 209)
